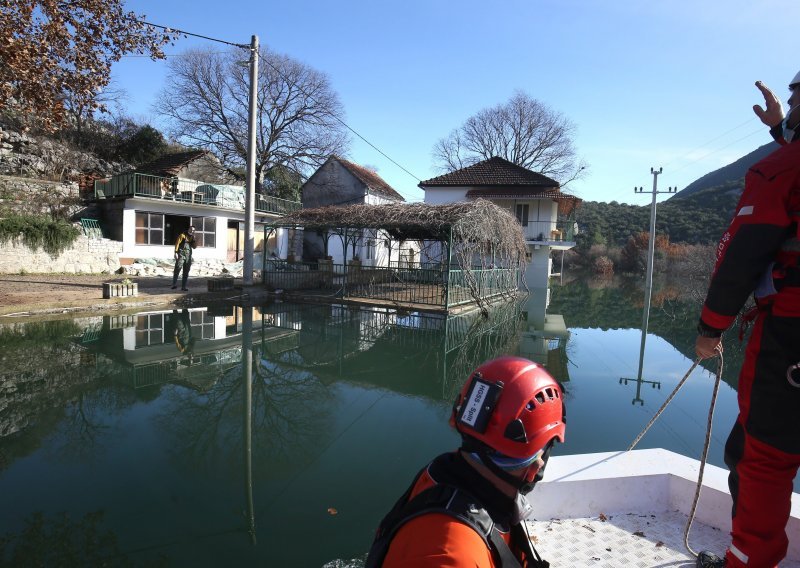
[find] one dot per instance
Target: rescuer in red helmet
(466, 507)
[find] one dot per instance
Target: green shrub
(39, 232)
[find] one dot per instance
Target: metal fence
(487, 283)
(550, 231)
(181, 190)
(430, 286)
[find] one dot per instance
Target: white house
(544, 212)
(148, 208)
(342, 182)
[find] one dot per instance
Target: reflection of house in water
(193, 347)
(543, 336)
(413, 352)
(406, 351)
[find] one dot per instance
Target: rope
(703, 458)
(663, 406)
(706, 445)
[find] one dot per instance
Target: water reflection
(194, 428)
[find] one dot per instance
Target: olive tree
(299, 119)
(523, 131)
(55, 54)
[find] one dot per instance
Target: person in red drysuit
(758, 255)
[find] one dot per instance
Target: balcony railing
(549, 231)
(182, 190)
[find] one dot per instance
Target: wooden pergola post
(449, 261)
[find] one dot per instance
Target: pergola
(476, 249)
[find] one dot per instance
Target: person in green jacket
(183, 257)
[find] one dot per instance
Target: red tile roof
(170, 164)
(495, 172)
(373, 181)
(511, 193)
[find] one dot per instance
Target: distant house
(340, 182)
(148, 208)
(545, 213)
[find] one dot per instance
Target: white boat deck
(630, 509)
(625, 539)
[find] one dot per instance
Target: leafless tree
(298, 116)
(524, 131)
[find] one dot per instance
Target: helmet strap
(512, 480)
(471, 445)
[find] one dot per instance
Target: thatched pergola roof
(474, 222)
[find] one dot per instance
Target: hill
(732, 172)
(698, 214)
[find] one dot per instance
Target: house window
(202, 323)
(149, 229)
(370, 252)
(522, 214)
(205, 231)
(150, 330)
(160, 229)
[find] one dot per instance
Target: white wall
(443, 195)
(131, 250)
(537, 273)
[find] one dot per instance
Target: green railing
(91, 228)
(181, 190)
(487, 283)
(270, 204)
(401, 284)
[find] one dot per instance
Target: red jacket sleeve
(760, 225)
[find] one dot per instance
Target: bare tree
(52, 50)
(523, 131)
(298, 116)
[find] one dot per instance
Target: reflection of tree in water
(51, 392)
(485, 338)
(673, 315)
(86, 424)
(64, 542)
(286, 409)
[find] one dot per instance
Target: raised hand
(773, 115)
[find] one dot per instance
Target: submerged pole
(648, 287)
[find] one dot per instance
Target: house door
(235, 241)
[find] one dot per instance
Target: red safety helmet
(512, 405)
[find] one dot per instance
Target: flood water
(281, 434)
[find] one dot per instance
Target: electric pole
(648, 287)
(250, 196)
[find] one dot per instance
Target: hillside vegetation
(698, 214)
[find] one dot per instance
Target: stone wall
(87, 256)
(27, 196)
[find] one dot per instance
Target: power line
(704, 156)
(278, 71)
(721, 148)
(703, 145)
(185, 33)
(246, 46)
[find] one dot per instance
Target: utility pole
(250, 196)
(650, 254)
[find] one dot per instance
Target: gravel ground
(24, 295)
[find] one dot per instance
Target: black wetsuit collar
(453, 469)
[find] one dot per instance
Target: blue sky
(663, 83)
